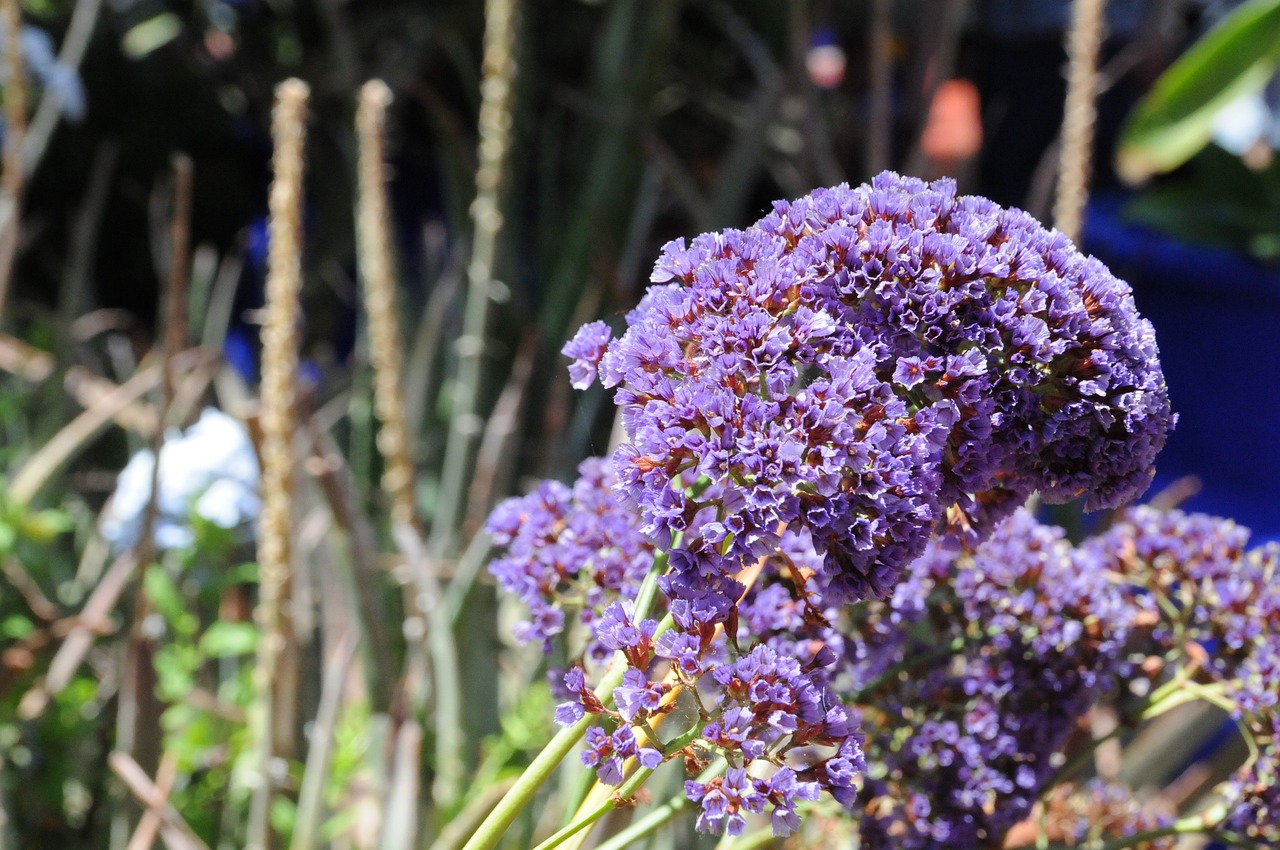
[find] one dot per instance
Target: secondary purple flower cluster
(568, 546)
(998, 654)
(1256, 793)
(762, 711)
(1192, 576)
(1074, 816)
(868, 364)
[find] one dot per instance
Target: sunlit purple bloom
(567, 542)
(585, 349)
(868, 364)
(637, 696)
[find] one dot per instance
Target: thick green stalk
(660, 816)
(537, 773)
(540, 770)
(625, 790)
(466, 422)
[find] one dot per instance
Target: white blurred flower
(211, 471)
(1243, 123)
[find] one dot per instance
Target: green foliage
(1175, 120)
(1217, 201)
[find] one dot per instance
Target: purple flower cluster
(568, 546)
(724, 801)
(998, 653)
(1074, 816)
(868, 364)
(759, 710)
(1191, 576)
(1256, 793)
(809, 403)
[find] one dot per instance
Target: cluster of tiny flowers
(1256, 793)
(1098, 812)
(808, 403)
(1001, 652)
(869, 364)
(1193, 579)
(567, 546)
(757, 711)
(771, 715)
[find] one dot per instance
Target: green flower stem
(624, 792)
(1201, 824)
(490, 832)
(649, 587)
(538, 772)
(660, 816)
(647, 825)
(759, 838)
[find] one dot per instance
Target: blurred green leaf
(228, 640)
(150, 35)
(164, 594)
(1215, 200)
(44, 526)
(1175, 119)
(16, 627)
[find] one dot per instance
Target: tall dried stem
(377, 271)
(497, 97)
(15, 131)
(423, 596)
(1079, 115)
(279, 373)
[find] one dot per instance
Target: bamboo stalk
(497, 99)
(1079, 115)
(279, 373)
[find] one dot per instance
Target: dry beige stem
(1079, 114)
(279, 374)
(377, 272)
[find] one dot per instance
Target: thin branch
(177, 834)
(377, 273)
(84, 18)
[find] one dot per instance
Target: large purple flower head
(869, 364)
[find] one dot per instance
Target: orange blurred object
(954, 129)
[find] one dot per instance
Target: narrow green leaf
(228, 640)
(1175, 119)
